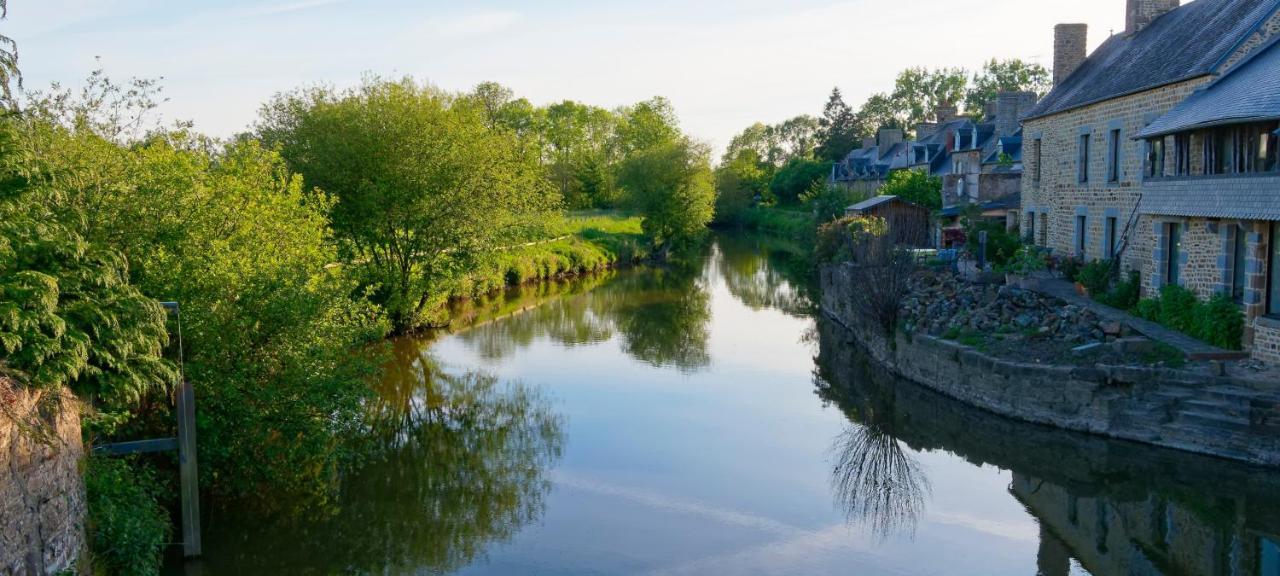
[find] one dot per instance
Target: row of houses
(1159, 150)
(979, 161)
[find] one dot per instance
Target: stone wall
(1268, 30)
(1193, 411)
(1059, 196)
(1266, 340)
(42, 502)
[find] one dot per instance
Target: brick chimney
(869, 142)
(888, 138)
(925, 130)
(1140, 13)
(1070, 48)
(946, 112)
(1009, 108)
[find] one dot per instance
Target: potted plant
(1020, 270)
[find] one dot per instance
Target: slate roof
(1186, 43)
(1249, 93)
(1243, 198)
(1010, 202)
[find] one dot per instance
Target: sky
(723, 64)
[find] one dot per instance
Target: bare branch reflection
(878, 483)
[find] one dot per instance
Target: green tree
(838, 128)
(915, 186)
(1005, 76)
(10, 75)
(673, 187)
(649, 124)
(796, 177)
(919, 92)
(424, 189)
(880, 111)
(738, 184)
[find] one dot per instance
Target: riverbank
(1189, 409)
(584, 243)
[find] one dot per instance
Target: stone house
(1126, 160)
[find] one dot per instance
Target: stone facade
(1058, 196)
(1269, 30)
(42, 502)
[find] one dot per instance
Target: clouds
(470, 25)
(286, 8)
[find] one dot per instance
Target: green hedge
(1218, 322)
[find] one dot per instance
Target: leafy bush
(829, 201)
(1070, 268)
(1124, 294)
(1002, 245)
(915, 186)
(128, 528)
(837, 239)
(1027, 260)
(1219, 321)
(1096, 276)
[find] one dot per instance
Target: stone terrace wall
(42, 502)
(1219, 416)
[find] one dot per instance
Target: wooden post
(188, 470)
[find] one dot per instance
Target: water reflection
(660, 315)
(1107, 507)
(460, 463)
(767, 273)
(878, 483)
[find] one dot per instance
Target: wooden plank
(138, 447)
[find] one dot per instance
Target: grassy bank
(583, 243)
(795, 224)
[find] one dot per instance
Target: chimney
(925, 130)
(990, 112)
(888, 138)
(946, 112)
(1010, 107)
(1070, 47)
(1140, 13)
(868, 143)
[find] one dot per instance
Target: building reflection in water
(1110, 507)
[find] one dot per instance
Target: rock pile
(943, 304)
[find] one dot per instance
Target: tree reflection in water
(766, 273)
(877, 483)
(459, 462)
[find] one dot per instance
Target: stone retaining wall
(42, 502)
(1220, 416)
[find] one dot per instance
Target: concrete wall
(42, 502)
(1191, 411)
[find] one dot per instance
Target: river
(701, 419)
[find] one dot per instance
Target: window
(1182, 154)
(1082, 231)
(1036, 151)
(1173, 253)
(1273, 272)
(1113, 156)
(1155, 158)
(1082, 163)
(1219, 151)
(1031, 227)
(1240, 260)
(1112, 240)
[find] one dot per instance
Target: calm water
(700, 420)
